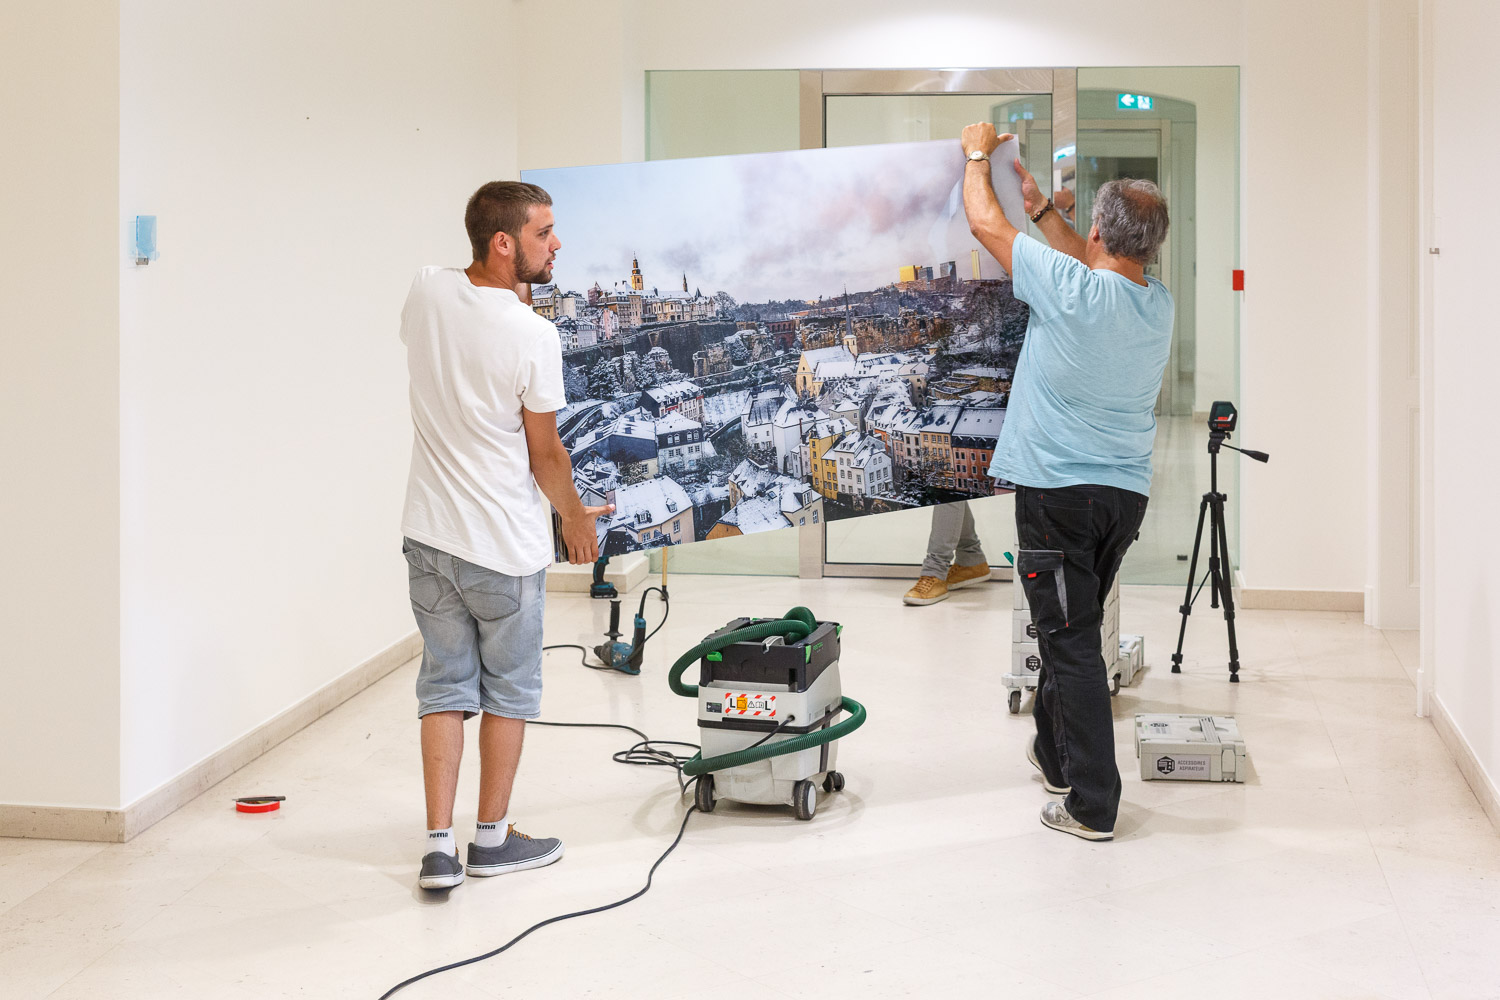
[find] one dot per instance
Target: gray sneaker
(440, 870)
(518, 853)
(1055, 815)
(1031, 756)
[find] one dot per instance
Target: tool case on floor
(1189, 748)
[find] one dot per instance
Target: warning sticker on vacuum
(1186, 767)
(750, 705)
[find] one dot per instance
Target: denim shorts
(481, 635)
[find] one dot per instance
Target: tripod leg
(1187, 601)
(1228, 590)
(1213, 551)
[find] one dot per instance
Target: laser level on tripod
(1221, 422)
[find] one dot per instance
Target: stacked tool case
(1124, 656)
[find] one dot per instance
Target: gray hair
(1132, 219)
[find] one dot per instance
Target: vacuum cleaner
(768, 692)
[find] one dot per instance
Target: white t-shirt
(476, 355)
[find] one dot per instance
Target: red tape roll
(263, 804)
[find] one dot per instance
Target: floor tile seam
(121, 934)
(222, 859)
(270, 872)
(50, 882)
(161, 964)
(1400, 915)
(1328, 735)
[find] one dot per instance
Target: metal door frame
(816, 86)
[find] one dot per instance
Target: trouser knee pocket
(1041, 574)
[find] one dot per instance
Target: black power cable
(646, 753)
(552, 920)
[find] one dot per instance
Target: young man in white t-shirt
(486, 382)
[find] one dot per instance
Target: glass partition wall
(1176, 126)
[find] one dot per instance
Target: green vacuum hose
(796, 624)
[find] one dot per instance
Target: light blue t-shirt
(1085, 387)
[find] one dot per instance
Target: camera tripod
(1221, 423)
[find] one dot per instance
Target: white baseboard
(1264, 599)
(120, 825)
(1469, 765)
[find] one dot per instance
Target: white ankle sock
(440, 840)
(491, 834)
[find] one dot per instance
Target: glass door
(1078, 128)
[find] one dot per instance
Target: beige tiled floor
(1356, 863)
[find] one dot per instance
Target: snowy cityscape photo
(759, 342)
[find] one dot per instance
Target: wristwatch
(979, 154)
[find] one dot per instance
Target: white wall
(303, 160)
(59, 405)
(1465, 353)
(1302, 334)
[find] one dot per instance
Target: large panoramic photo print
(766, 341)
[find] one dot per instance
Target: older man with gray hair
(1077, 443)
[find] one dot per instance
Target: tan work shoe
(929, 590)
(964, 576)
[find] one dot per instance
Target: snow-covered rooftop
(650, 503)
(756, 514)
(823, 354)
(940, 418)
(765, 405)
(720, 408)
(980, 422)
(751, 477)
(676, 422)
(671, 392)
(837, 368)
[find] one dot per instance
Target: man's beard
(528, 272)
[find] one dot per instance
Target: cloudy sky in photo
(769, 225)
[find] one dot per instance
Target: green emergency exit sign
(1134, 102)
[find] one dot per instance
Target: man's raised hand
(1030, 193)
(981, 136)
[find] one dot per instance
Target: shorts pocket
(1041, 574)
(425, 585)
(490, 595)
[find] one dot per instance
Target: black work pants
(1071, 541)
